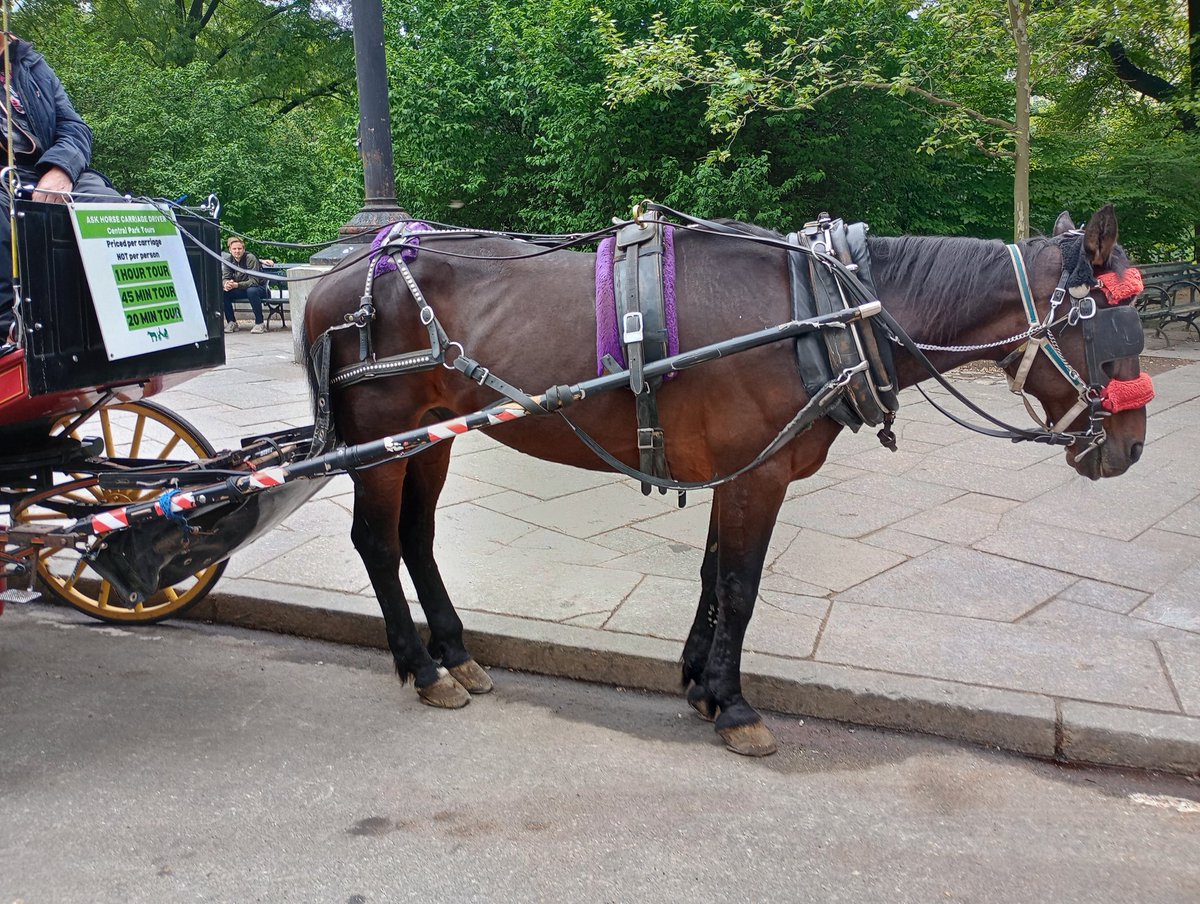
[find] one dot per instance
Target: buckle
(1084, 309)
(645, 438)
(631, 325)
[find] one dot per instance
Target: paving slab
(1183, 668)
(991, 654)
(964, 582)
(1135, 564)
(833, 562)
(951, 523)
(1067, 616)
(841, 514)
(1176, 604)
(1104, 596)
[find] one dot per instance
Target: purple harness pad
(608, 335)
(408, 254)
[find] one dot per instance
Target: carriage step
(19, 596)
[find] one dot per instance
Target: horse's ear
(1064, 223)
(1100, 235)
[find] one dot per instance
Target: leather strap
(641, 323)
(871, 396)
(324, 438)
(812, 359)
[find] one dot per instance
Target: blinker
(1116, 333)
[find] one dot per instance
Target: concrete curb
(1065, 730)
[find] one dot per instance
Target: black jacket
(64, 139)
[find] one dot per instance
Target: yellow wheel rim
(140, 430)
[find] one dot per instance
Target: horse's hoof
(445, 693)
(472, 677)
(754, 739)
(701, 701)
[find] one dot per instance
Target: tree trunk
(1018, 18)
(1194, 72)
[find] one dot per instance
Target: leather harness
(870, 396)
(852, 378)
(640, 296)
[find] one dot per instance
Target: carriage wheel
(141, 430)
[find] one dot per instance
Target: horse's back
(530, 318)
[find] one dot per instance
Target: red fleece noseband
(1125, 395)
(1121, 288)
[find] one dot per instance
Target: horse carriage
(79, 436)
(800, 337)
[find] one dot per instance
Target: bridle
(1111, 331)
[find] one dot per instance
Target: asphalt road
(189, 763)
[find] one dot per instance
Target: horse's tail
(316, 368)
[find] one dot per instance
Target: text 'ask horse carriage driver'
(518, 314)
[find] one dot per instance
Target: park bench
(276, 302)
(1171, 295)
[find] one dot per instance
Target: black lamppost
(374, 135)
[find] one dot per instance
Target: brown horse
(529, 320)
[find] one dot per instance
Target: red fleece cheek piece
(1121, 288)
(1125, 395)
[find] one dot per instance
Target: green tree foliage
(502, 106)
(547, 115)
(217, 119)
(957, 63)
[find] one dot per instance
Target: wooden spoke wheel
(128, 430)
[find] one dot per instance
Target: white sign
(138, 273)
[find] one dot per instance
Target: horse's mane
(951, 279)
(749, 228)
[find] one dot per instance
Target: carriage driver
(51, 149)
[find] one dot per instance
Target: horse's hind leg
(746, 513)
(700, 638)
(422, 485)
(376, 536)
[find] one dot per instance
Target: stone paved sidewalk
(962, 586)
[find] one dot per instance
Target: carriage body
(63, 367)
(65, 408)
(79, 439)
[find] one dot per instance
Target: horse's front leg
(376, 536)
(747, 508)
(422, 486)
(700, 638)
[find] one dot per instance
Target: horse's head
(1089, 379)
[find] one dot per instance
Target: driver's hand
(53, 181)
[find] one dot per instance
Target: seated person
(241, 286)
(51, 150)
